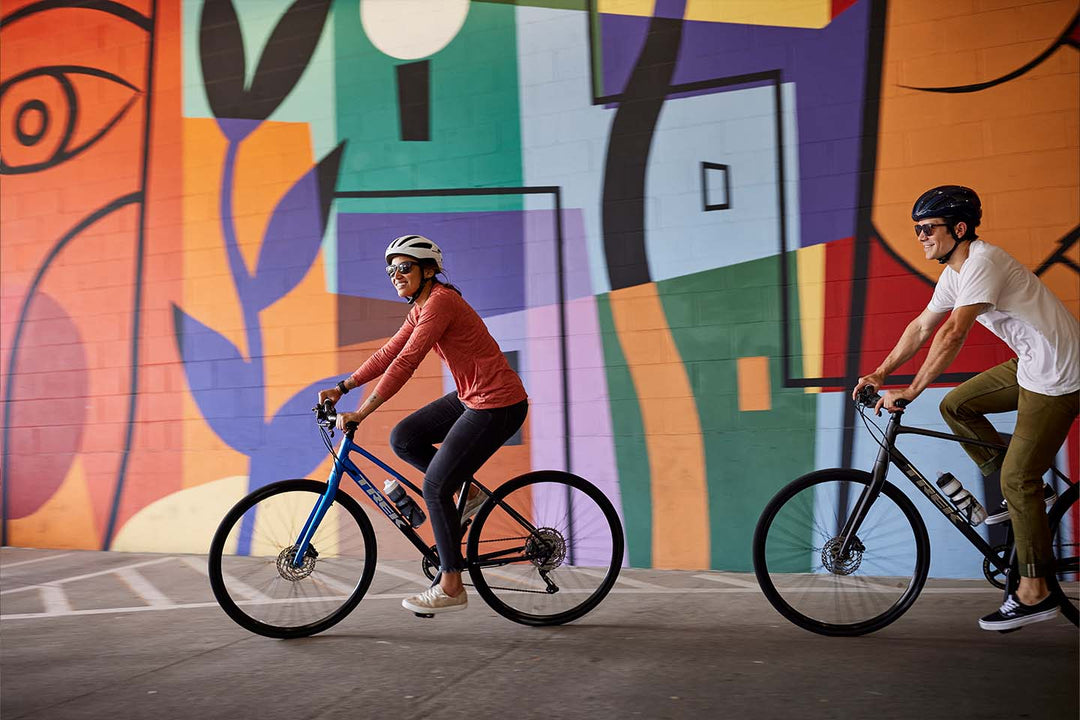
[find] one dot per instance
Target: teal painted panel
(748, 455)
(474, 115)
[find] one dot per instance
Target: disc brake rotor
(291, 572)
(546, 548)
(830, 556)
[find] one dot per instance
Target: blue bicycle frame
(343, 464)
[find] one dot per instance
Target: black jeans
(469, 437)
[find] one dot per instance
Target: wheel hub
(837, 565)
(291, 572)
(547, 548)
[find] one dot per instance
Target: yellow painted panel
(65, 520)
(643, 8)
(183, 522)
(785, 13)
(680, 497)
(811, 279)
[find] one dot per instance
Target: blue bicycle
(295, 557)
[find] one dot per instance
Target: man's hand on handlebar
(895, 400)
(872, 381)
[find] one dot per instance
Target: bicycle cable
(872, 427)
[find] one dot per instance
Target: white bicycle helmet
(415, 246)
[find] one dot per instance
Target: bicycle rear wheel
(797, 562)
(250, 566)
(545, 548)
(1065, 529)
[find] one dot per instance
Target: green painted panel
(474, 116)
(748, 455)
(631, 452)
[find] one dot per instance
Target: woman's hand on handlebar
(345, 418)
(331, 394)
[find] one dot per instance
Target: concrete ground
(117, 635)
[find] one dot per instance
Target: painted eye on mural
(42, 121)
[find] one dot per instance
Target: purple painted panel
(828, 68)
(483, 254)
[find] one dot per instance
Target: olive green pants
(1042, 424)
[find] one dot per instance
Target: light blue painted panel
(736, 128)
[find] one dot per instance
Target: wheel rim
(258, 578)
(1066, 534)
(561, 567)
(802, 556)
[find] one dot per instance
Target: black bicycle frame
(888, 453)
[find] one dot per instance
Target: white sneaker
(472, 505)
(434, 600)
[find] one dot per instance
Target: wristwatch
(341, 386)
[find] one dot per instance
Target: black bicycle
(295, 557)
(845, 552)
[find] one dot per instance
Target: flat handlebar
(868, 397)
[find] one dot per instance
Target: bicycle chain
(509, 589)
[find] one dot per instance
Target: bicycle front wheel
(251, 569)
(1065, 528)
(801, 571)
(545, 548)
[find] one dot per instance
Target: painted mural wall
(685, 221)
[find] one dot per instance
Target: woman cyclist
(488, 407)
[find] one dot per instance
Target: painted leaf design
(227, 388)
(221, 52)
(293, 447)
(286, 55)
(294, 233)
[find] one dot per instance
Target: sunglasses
(928, 228)
(402, 267)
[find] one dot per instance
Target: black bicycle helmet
(954, 203)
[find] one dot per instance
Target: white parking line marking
(403, 575)
(34, 560)
(99, 573)
(143, 588)
(56, 602)
(234, 584)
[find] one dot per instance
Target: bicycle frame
(343, 464)
(889, 454)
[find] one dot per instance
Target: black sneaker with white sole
(1002, 515)
(1014, 614)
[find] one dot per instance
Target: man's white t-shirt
(1025, 314)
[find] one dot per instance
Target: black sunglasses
(404, 268)
(928, 228)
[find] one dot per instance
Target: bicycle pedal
(424, 615)
(1010, 630)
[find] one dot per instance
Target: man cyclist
(983, 283)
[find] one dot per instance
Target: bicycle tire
(255, 585)
(805, 592)
(577, 544)
(1065, 530)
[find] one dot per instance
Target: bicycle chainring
(429, 568)
(994, 576)
(546, 548)
(830, 556)
(289, 571)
